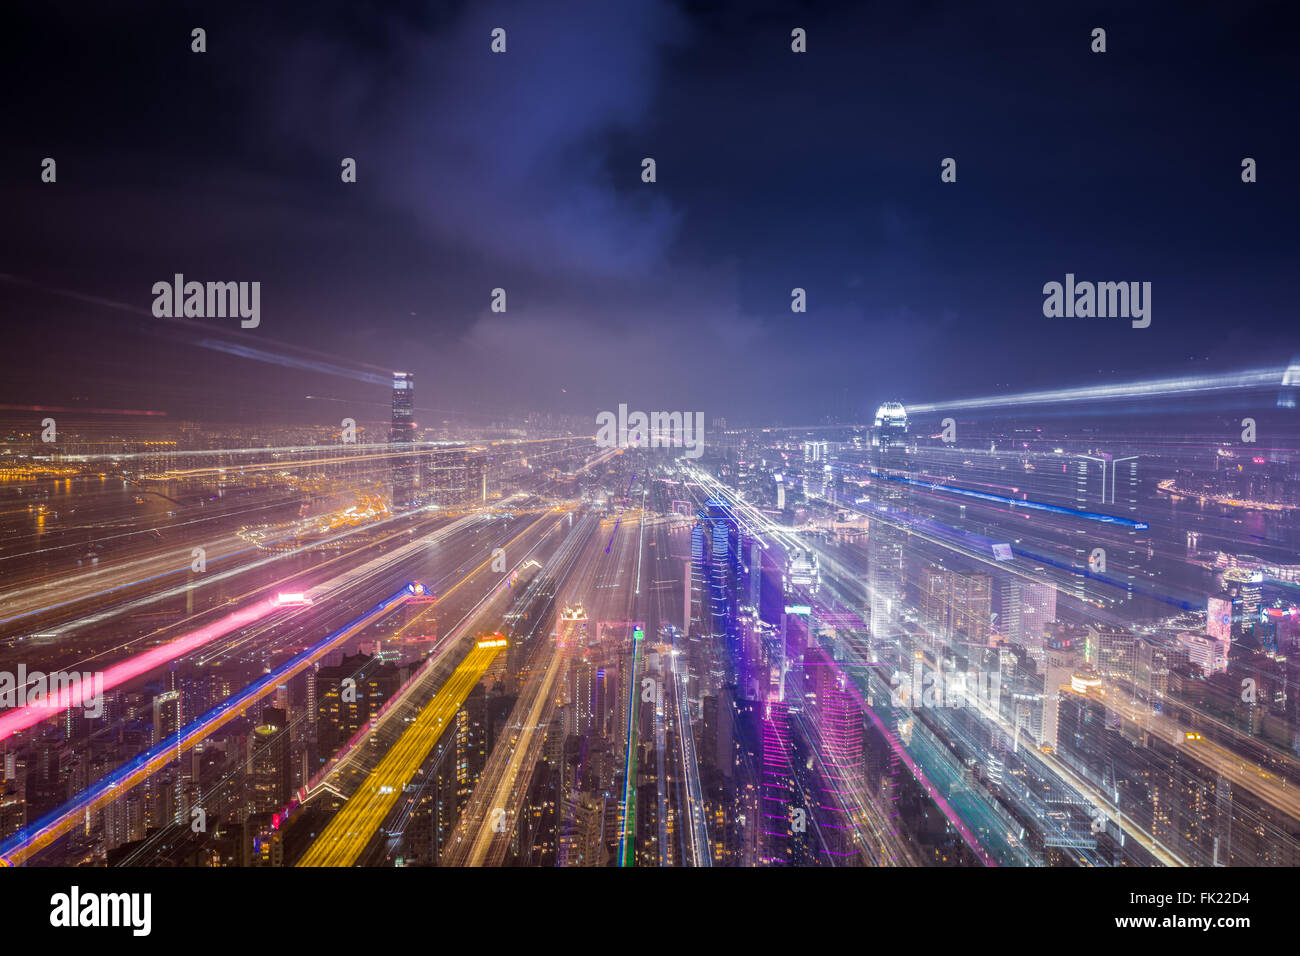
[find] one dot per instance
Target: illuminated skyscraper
(885, 537)
(955, 604)
(401, 435)
(1037, 608)
(838, 721)
(347, 696)
(268, 763)
(166, 715)
(720, 570)
(582, 692)
(777, 792)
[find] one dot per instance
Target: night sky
(523, 171)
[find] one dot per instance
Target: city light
(650, 435)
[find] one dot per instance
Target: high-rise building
(454, 478)
(1218, 618)
(348, 696)
(1113, 651)
(582, 693)
(473, 742)
(776, 824)
(1057, 669)
(838, 720)
(885, 573)
(1037, 609)
(1210, 654)
(269, 768)
(166, 715)
(401, 435)
(955, 604)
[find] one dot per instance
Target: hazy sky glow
(523, 171)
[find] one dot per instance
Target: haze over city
(653, 434)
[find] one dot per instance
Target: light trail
(1190, 385)
(76, 694)
(81, 691)
(346, 754)
(525, 748)
(212, 578)
(35, 837)
(177, 563)
(641, 543)
(695, 805)
(918, 773)
(308, 450)
(351, 829)
(484, 829)
(1016, 502)
(625, 856)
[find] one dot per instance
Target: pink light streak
(81, 691)
(919, 774)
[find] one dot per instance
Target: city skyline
(655, 435)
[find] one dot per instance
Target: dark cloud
(775, 170)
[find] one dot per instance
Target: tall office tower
(753, 677)
(1037, 609)
(476, 476)
(401, 435)
(269, 770)
(955, 604)
(718, 735)
(124, 820)
(347, 697)
(443, 809)
(582, 693)
(723, 553)
(688, 585)
(1056, 681)
(970, 606)
(600, 703)
(1242, 588)
(472, 741)
(166, 715)
(1114, 651)
(721, 572)
(777, 791)
(838, 721)
(1155, 659)
(1009, 622)
(1218, 617)
(885, 573)
(698, 615)
(13, 807)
